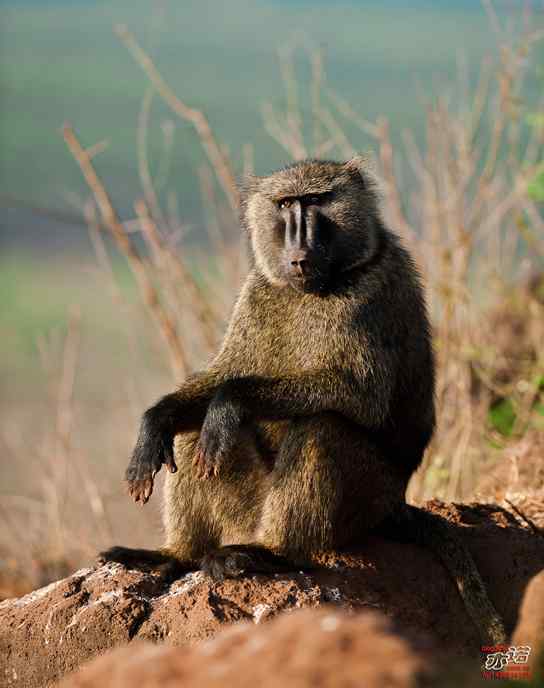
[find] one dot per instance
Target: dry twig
(137, 264)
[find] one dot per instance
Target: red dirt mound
(54, 630)
(325, 648)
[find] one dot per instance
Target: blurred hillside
(62, 62)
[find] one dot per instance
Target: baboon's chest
(291, 337)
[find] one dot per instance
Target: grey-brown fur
(302, 433)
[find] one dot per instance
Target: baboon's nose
(301, 265)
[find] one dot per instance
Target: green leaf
(502, 416)
(536, 119)
(535, 188)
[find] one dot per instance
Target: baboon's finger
(147, 490)
(197, 457)
(200, 464)
(140, 490)
(171, 465)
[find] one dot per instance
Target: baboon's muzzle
(303, 250)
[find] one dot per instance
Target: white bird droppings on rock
(259, 611)
(330, 623)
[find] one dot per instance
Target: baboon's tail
(429, 530)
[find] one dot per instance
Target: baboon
(302, 433)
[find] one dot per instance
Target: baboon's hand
(155, 447)
(218, 436)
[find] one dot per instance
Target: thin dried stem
(143, 159)
(111, 220)
(292, 116)
(174, 265)
(389, 178)
(220, 162)
(345, 109)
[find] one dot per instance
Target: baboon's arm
(359, 397)
(185, 409)
(179, 411)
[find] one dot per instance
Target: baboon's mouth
(309, 284)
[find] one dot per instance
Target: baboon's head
(311, 222)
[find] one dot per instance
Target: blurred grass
(61, 61)
(38, 295)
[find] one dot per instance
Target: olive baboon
(307, 425)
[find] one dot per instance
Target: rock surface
(54, 630)
(325, 648)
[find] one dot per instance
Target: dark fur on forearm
(177, 412)
(264, 398)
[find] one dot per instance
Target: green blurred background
(61, 61)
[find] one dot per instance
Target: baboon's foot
(166, 565)
(233, 561)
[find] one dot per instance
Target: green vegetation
(62, 62)
(502, 416)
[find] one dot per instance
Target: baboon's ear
(359, 163)
(363, 166)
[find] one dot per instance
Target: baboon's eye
(284, 203)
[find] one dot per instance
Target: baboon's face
(310, 222)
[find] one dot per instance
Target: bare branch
(111, 220)
(220, 162)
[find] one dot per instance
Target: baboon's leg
(200, 515)
(330, 485)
